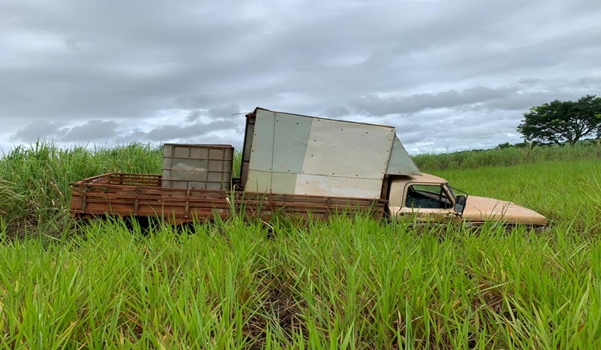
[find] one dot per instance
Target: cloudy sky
(449, 74)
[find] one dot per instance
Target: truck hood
(480, 209)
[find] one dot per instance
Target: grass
(564, 191)
(347, 284)
(504, 157)
(34, 181)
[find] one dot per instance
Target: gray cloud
(336, 111)
(39, 129)
(589, 82)
(196, 101)
(193, 116)
(224, 111)
(159, 71)
(91, 131)
(193, 132)
(374, 105)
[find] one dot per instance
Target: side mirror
(460, 201)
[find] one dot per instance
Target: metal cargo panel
(344, 149)
(197, 166)
(261, 154)
(260, 180)
(321, 185)
(290, 143)
(272, 182)
(400, 161)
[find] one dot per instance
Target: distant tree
(562, 121)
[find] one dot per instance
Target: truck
(293, 165)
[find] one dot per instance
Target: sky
(448, 74)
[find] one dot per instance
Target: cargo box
(295, 154)
(191, 166)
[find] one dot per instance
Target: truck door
(427, 203)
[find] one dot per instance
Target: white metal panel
(290, 142)
(259, 181)
(271, 182)
(352, 150)
(261, 157)
(321, 185)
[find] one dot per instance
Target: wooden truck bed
(141, 195)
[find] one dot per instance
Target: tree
(504, 145)
(563, 121)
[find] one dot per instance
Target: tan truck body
(294, 165)
(476, 210)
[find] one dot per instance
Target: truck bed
(141, 195)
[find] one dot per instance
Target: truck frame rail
(141, 195)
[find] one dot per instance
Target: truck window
(427, 196)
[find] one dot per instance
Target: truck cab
(429, 198)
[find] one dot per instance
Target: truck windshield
(428, 196)
(454, 191)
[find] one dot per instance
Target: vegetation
(506, 156)
(34, 181)
(345, 284)
(349, 284)
(563, 121)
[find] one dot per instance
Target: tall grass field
(350, 283)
